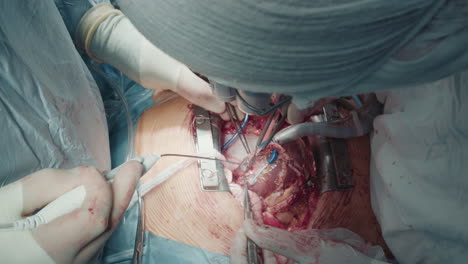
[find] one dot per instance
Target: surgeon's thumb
(123, 188)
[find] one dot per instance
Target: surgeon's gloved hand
(108, 36)
(76, 237)
(305, 246)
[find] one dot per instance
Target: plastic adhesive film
(52, 114)
(418, 169)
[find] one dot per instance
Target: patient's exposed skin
(180, 210)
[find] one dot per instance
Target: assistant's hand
(107, 35)
(76, 237)
(305, 246)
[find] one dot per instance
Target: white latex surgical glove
(305, 246)
(79, 235)
(108, 36)
(296, 115)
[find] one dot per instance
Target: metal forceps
(236, 121)
(275, 121)
(252, 250)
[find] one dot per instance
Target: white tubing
(63, 205)
(164, 175)
(160, 178)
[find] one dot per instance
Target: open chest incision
(288, 178)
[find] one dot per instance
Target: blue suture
(357, 100)
(273, 156)
(231, 140)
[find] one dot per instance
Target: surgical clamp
(252, 250)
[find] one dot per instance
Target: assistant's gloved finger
(238, 251)
(196, 90)
(123, 188)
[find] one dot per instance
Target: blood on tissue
(295, 169)
(253, 127)
(92, 205)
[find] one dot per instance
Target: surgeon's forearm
(106, 35)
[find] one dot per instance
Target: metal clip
(207, 138)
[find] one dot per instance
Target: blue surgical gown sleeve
(73, 10)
